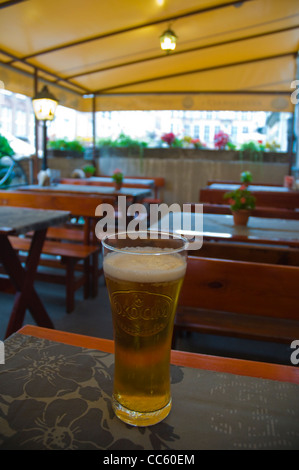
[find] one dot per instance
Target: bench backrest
(241, 287)
(266, 212)
(288, 200)
(77, 205)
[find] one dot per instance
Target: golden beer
(143, 289)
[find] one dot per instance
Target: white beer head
(145, 264)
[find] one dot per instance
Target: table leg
(23, 279)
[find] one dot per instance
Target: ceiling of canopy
(229, 55)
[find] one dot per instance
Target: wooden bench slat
(240, 326)
(56, 248)
(236, 298)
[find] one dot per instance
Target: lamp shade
(168, 40)
(44, 105)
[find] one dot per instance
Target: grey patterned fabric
(57, 396)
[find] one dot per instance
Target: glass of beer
(144, 272)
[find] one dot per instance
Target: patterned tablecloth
(57, 396)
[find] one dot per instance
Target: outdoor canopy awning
(229, 55)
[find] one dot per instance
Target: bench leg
(70, 284)
(86, 268)
(95, 274)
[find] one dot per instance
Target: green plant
(272, 146)
(106, 142)
(246, 177)
(5, 148)
(254, 150)
(118, 176)
(89, 170)
(63, 144)
(126, 141)
(240, 199)
(172, 140)
(198, 144)
(231, 146)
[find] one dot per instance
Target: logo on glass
(141, 313)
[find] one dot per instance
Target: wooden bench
(75, 246)
(158, 187)
(239, 299)
(254, 253)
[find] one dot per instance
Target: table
(258, 230)
(55, 393)
(221, 227)
(253, 187)
(134, 193)
(16, 221)
(126, 181)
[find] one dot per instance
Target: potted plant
(65, 148)
(198, 144)
(221, 140)
(118, 178)
(241, 203)
(89, 170)
(172, 140)
(246, 178)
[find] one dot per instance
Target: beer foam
(164, 267)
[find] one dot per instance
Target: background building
(17, 119)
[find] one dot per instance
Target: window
(234, 131)
(6, 118)
(207, 134)
(196, 132)
(21, 123)
(187, 129)
(245, 130)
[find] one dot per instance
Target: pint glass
(143, 277)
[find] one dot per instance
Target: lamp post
(44, 106)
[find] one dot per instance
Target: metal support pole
(94, 131)
(45, 162)
(36, 126)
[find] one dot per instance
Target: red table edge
(242, 367)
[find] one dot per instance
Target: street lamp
(44, 106)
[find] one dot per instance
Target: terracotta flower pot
(118, 185)
(241, 217)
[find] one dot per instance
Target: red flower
(168, 138)
(221, 139)
(243, 200)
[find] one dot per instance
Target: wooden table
(55, 393)
(16, 221)
(260, 230)
(135, 194)
(127, 182)
(251, 187)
